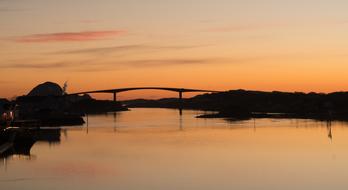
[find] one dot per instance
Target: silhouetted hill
(244, 103)
(46, 89)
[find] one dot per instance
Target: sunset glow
(217, 45)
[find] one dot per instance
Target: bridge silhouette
(118, 90)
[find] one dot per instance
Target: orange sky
(218, 45)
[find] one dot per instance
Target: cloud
(2, 9)
(145, 63)
(5, 9)
(34, 65)
(101, 50)
(69, 36)
(99, 64)
(135, 47)
(4, 81)
(95, 65)
(167, 62)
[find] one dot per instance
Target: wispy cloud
(135, 47)
(69, 36)
(34, 65)
(3, 9)
(4, 82)
(99, 65)
(167, 62)
(145, 63)
(101, 50)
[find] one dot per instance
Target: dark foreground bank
(49, 105)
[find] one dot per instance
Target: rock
(46, 89)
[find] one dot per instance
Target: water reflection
(17, 143)
(115, 121)
(87, 123)
(155, 146)
(329, 129)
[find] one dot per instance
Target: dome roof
(46, 89)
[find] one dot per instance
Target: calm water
(157, 149)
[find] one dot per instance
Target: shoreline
(318, 117)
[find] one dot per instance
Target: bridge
(118, 90)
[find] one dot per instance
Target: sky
(284, 45)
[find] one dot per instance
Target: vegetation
(242, 103)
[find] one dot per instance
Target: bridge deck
(117, 90)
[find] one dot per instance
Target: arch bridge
(118, 90)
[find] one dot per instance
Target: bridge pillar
(114, 93)
(180, 102)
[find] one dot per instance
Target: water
(158, 149)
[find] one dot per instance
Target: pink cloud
(70, 36)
